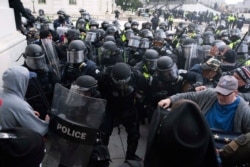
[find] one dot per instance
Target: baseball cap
(226, 85)
(211, 64)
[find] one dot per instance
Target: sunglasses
(224, 95)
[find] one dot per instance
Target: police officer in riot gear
(166, 81)
(119, 88)
(62, 20)
(111, 54)
(77, 63)
(42, 79)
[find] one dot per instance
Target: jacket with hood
(15, 111)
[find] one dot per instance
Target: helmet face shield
(35, 62)
(82, 90)
(151, 64)
(145, 44)
(170, 74)
(75, 57)
(91, 37)
(134, 42)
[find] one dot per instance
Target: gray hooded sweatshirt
(15, 111)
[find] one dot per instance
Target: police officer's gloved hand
(197, 84)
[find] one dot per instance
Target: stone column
(12, 42)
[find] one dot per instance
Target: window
(41, 1)
(72, 2)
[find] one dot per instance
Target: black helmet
(198, 38)
(111, 29)
(104, 25)
(150, 58)
(235, 34)
(85, 15)
(41, 12)
(93, 24)
(130, 19)
(109, 46)
(146, 33)
(85, 85)
(34, 57)
(61, 12)
(72, 34)
(134, 24)
(81, 24)
(82, 10)
(75, 52)
(109, 38)
(160, 33)
(116, 23)
(127, 25)
(208, 38)
(163, 25)
(121, 73)
(167, 69)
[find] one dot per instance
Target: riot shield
(190, 55)
(51, 56)
(75, 120)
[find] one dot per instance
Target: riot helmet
(81, 24)
(166, 69)
(150, 58)
(224, 35)
(206, 51)
(191, 27)
(104, 25)
(111, 30)
(82, 11)
(121, 73)
(134, 25)
(134, 41)
(86, 16)
(85, 85)
(75, 52)
(146, 33)
(160, 34)
(72, 34)
(198, 38)
(235, 34)
(109, 48)
(41, 12)
(169, 36)
(116, 23)
(145, 43)
(163, 26)
(180, 27)
(91, 36)
(129, 33)
(148, 25)
(34, 57)
(208, 38)
(93, 24)
(109, 38)
(127, 26)
(221, 27)
(130, 19)
(61, 14)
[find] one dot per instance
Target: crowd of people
(140, 73)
